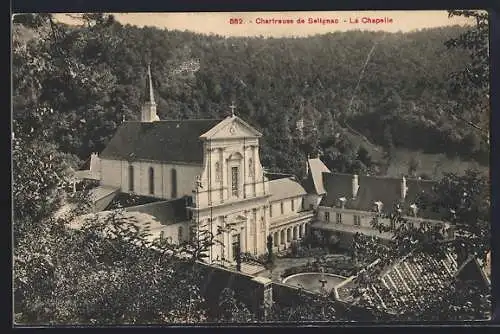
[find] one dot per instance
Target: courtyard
(284, 264)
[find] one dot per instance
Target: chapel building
(208, 176)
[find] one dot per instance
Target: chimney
(355, 185)
(342, 201)
(414, 210)
(148, 112)
(404, 188)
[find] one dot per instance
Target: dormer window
(342, 201)
(377, 206)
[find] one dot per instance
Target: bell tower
(148, 112)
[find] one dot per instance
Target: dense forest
(406, 97)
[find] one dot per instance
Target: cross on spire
(232, 107)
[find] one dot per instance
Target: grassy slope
(433, 165)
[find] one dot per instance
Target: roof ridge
(180, 120)
(381, 177)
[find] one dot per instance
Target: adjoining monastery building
(206, 175)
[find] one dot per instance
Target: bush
(249, 257)
(298, 250)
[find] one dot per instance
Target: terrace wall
(248, 290)
(286, 295)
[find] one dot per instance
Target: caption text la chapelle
(313, 20)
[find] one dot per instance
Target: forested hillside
(88, 79)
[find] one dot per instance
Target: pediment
(231, 127)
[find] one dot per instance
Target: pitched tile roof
(274, 176)
(166, 212)
(125, 200)
(285, 188)
(142, 220)
(100, 192)
(169, 141)
(397, 285)
(375, 188)
(315, 175)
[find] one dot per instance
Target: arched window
(131, 178)
(180, 234)
(174, 183)
(151, 180)
(217, 172)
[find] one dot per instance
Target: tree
(364, 156)
(466, 203)
(307, 307)
(413, 165)
(31, 20)
(231, 310)
(270, 257)
(473, 81)
(327, 124)
(103, 273)
(388, 140)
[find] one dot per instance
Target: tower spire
(148, 113)
(149, 86)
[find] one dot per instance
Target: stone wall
(248, 289)
(286, 295)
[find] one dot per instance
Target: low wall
(248, 289)
(286, 295)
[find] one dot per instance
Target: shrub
(249, 257)
(299, 251)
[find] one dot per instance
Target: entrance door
(236, 245)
